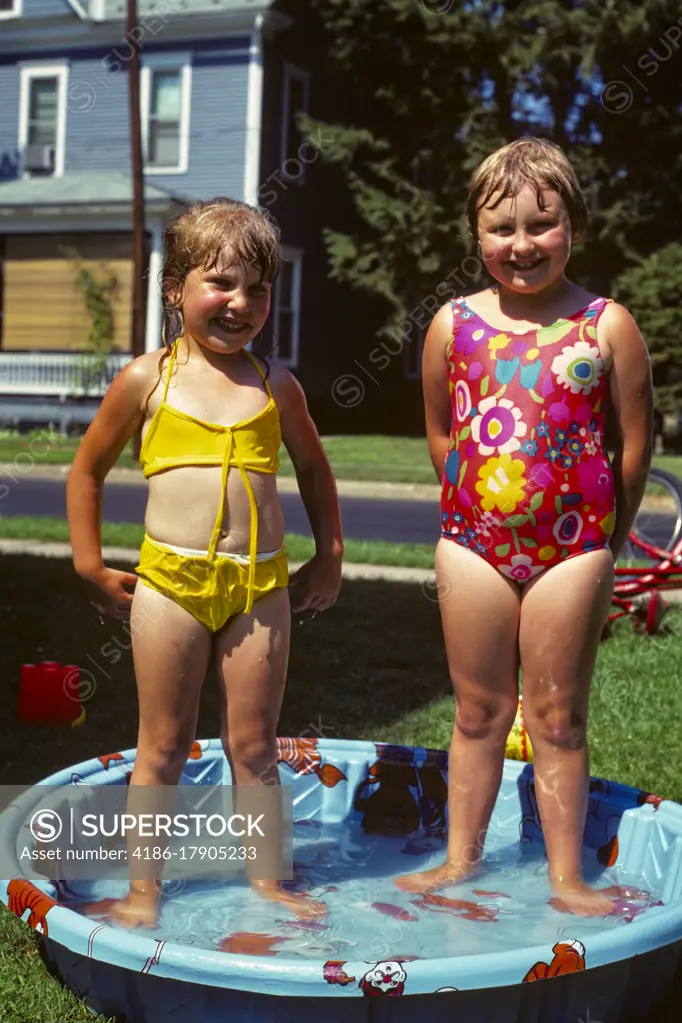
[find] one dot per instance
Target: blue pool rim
(277, 975)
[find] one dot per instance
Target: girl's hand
(107, 593)
(315, 586)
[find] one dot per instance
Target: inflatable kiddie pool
(492, 949)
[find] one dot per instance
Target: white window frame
(28, 72)
(181, 62)
(291, 71)
(14, 13)
(295, 258)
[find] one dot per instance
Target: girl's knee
(164, 759)
(255, 753)
(485, 717)
(560, 726)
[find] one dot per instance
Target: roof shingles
(81, 189)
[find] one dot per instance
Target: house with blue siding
(221, 82)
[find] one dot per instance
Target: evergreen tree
(652, 292)
(432, 86)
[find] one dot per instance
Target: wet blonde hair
(526, 161)
(197, 237)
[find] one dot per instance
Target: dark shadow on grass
(354, 670)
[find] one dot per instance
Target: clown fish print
(569, 957)
(397, 912)
(334, 973)
(199, 747)
(460, 907)
(22, 895)
(303, 757)
(249, 943)
(648, 797)
(112, 758)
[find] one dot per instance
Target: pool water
(505, 908)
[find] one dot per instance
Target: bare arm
(118, 418)
(632, 415)
(317, 488)
(435, 382)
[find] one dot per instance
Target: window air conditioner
(38, 157)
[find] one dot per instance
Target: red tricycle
(651, 562)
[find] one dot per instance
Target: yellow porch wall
(42, 310)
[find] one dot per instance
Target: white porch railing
(112, 10)
(62, 375)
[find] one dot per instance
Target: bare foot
(300, 904)
(620, 891)
(137, 909)
(427, 881)
(579, 898)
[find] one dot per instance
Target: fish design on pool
(383, 978)
(303, 757)
(23, 895)
(569, 957)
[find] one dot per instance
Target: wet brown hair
(197, 237)
(526, 161)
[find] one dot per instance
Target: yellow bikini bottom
(211, 591)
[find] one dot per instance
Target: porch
(47, 228)
(62, 390)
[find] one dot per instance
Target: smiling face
(225, 307)
(526, 246)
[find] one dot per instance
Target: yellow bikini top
(175, 439)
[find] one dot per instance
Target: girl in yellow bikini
(213, 579)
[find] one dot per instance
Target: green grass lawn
(28, 993)
(355, 672)
(300, 548)
(391, 459)
(375, 457)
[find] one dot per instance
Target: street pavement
(400, 515)
(364, 518)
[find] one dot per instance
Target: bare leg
(252, 653)
(562, 614)
(480, 615)
(171, 651)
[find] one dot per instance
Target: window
(165, 100)
(42, 119)
(286, 308)
(10, 8)
(294, 100)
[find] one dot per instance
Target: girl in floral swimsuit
(518, 382)
(527, 484)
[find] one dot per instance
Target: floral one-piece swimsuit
(526, 481)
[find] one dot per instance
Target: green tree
(652, 292)
(432, 86)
